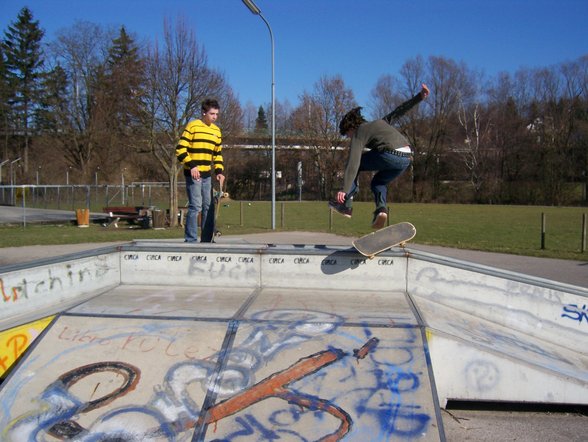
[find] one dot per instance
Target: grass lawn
(504, 229)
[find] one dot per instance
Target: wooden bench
(133, 215)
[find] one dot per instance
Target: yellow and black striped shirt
(201, 146)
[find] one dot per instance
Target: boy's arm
(353, 161)
(403, 108)
(407, 105)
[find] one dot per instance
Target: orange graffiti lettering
(3, 363)
(4, 296)
(18, 343)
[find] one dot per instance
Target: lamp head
(252, 7)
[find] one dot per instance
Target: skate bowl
(167, 341)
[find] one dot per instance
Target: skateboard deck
(376, 242)
(210, 231)
(217, 197)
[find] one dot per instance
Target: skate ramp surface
(169, 342)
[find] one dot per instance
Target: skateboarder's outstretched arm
(407, 105)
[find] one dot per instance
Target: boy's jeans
(198, 202)
(388, 167)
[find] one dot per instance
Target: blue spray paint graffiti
(385, 369)
(575, 313)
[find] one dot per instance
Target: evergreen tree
(124, 77)
(24, 68)
(52, 111)
(4, 105)
(261, 122)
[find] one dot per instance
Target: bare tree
(558, 111)
(178, 79)
(575, 92)
(81, 52)
(448, 81)
(506, 107)
(385, 96)
(547, 131)
(283, 117)
(475, 129)
(389, 93)
(317, 119)
(249, 116)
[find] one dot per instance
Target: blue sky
(361, 40)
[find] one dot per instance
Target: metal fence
(93, 197)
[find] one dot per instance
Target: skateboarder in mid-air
(389, 155)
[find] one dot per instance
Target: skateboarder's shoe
(380, 218)
(341, 208)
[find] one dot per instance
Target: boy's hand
(424, 91)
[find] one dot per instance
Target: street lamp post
(96, 182)
(71, 189)
(122, 182)
(36, 190)
(256, 11)
(2, 164)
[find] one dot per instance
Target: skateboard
(376, 242)
(217, 197)
(210, 232)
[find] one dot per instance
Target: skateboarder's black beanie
(351, 121)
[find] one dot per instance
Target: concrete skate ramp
(156, 341)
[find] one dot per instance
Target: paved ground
(460, 425)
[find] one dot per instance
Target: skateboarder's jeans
(388, 167)
(198, 201)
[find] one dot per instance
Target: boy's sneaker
(380, 218)
(341, 208)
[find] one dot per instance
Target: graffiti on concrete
(221, 266)
(15, 341)
(510, 309)
(368, 383)
(12, 294)
(50, 279)
(482, 375)
(575, 313)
